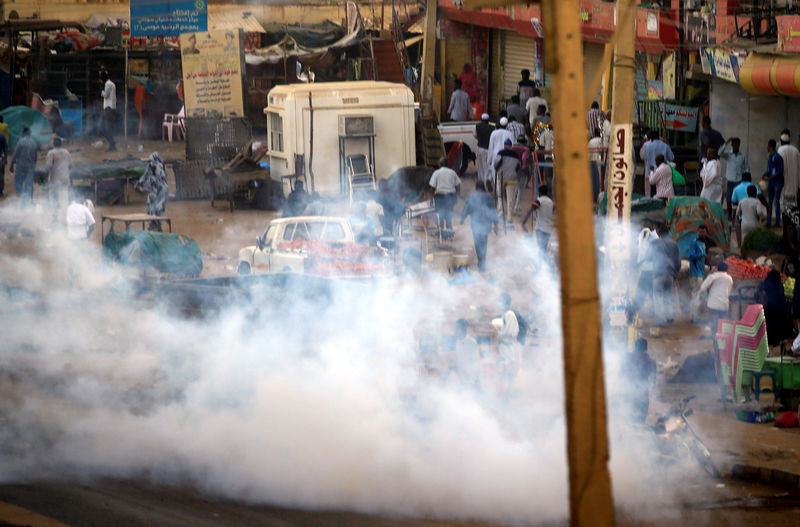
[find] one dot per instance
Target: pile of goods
(332, 258)
(788, 286)
(746, 269)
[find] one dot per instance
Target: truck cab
(275, 250)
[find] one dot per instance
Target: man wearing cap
(737, 165)
(496, 144)
(791, 171)
(445, 183)
(483, 131)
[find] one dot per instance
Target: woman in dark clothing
(772, 297)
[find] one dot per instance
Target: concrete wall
(754, 118)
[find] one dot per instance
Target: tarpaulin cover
(164, 251)
(18, 117)
(308, 36)
(686, 213)
(288, 46)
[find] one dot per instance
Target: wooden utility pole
(590, 498)
(429, 44)
(620, 164)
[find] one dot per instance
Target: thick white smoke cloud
(289, 399)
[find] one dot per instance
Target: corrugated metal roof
(243, 20)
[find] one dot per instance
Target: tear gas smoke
(286, 397)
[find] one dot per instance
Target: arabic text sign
(167, 18)
(722, 63)
(681, 118)
(619, 186)
(213, 67)
(620, 173)
(788, 33)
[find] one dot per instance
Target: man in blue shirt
(737, 164)
(740, 191)
(655, 147)
(697, 266)
(483, 218)
(774, 179)
(25, 162)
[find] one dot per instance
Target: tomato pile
(331, 258)
(746, 269)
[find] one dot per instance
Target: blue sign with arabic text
(168, 18)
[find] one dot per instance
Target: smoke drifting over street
(288, 396)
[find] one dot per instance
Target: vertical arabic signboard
(668, 75)
(213, 66)
(619, 185)
(167, 18)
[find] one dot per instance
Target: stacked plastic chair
(742, 347)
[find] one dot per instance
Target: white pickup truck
(321, 245)
(463, 131)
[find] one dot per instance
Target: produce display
(334, 258)
(746, 269)
(761, 239)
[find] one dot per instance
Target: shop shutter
(518, 54)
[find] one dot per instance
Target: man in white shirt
(509, 351)
(544, 218)
(109, 94)
(460, 109)
(80, 221)
(791, 171)
(496, 144)
(58, 163)
(532, 106)
(749, 211)
(446, 184)
(718, 286)
(661, 177)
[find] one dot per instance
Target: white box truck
(357, 126)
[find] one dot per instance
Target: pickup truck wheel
(244, 268)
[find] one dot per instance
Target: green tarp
(686, 213)
(639, 204)
(18, 117)
(165, 252)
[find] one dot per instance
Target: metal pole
(590, 498)
(127, 80)
(13, 66)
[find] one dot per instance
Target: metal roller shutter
(518, 54)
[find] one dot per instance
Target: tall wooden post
(429, 43)
(590, 498)
(619, 174)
